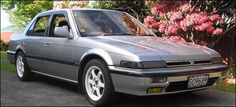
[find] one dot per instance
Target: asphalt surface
(50, 92)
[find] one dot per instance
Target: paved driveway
(50, 92)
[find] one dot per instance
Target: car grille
(183, 85)
(187, 63)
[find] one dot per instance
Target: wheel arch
(93, 54)
(20, 48)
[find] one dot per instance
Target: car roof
(69, 9)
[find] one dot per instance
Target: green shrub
(231, 70)
(4, 46)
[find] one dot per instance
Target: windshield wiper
(123, 33)
(109, 34)
(147, 35)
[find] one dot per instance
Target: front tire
(22, 69)
(97, 84)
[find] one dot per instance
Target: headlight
(145, 64)
(129, 64)
(216, 60)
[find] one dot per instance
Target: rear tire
(97, 84)
(22, 69)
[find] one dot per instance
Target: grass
(220, 85)
(8, 67)
(3, 55)
(5, 65)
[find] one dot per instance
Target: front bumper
(138, 81)
(11, 56)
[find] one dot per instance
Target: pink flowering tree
(70, 4)
(187, 20)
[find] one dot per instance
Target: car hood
(166, 49)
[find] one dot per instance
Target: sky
(4, 19)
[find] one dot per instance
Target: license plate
(197, 81)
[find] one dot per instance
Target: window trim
(34, 23)
(64, 13)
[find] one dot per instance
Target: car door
(34, 42)
(59, 50)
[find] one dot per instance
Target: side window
(39, 27)
(59, 26)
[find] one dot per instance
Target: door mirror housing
(63, 32)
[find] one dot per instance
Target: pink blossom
(147, 25)
(168, 28)
(197, 27)
(167, 32)
(176, 39)
(185, 23)
(210, 29)
(193, 17)
(215, 17)
(155, 25)
(132, 29)
(218, 31)
(161, 14)
(172, 29)
(189, 22)
(149, 20)
(185, 7)
(183, 26)
(176, 15)
(200, 18)
(177, 24)
(176, 19)
(204, 26)
(163, 26)
(156, 9)
(169, 13)
(209, 23)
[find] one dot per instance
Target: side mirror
(63, 32)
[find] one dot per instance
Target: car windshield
(108, 23)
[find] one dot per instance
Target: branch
(195, 5)
(213, 44)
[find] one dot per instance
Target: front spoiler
(171, 71)
(138, 81)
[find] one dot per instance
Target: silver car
(108, 51)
